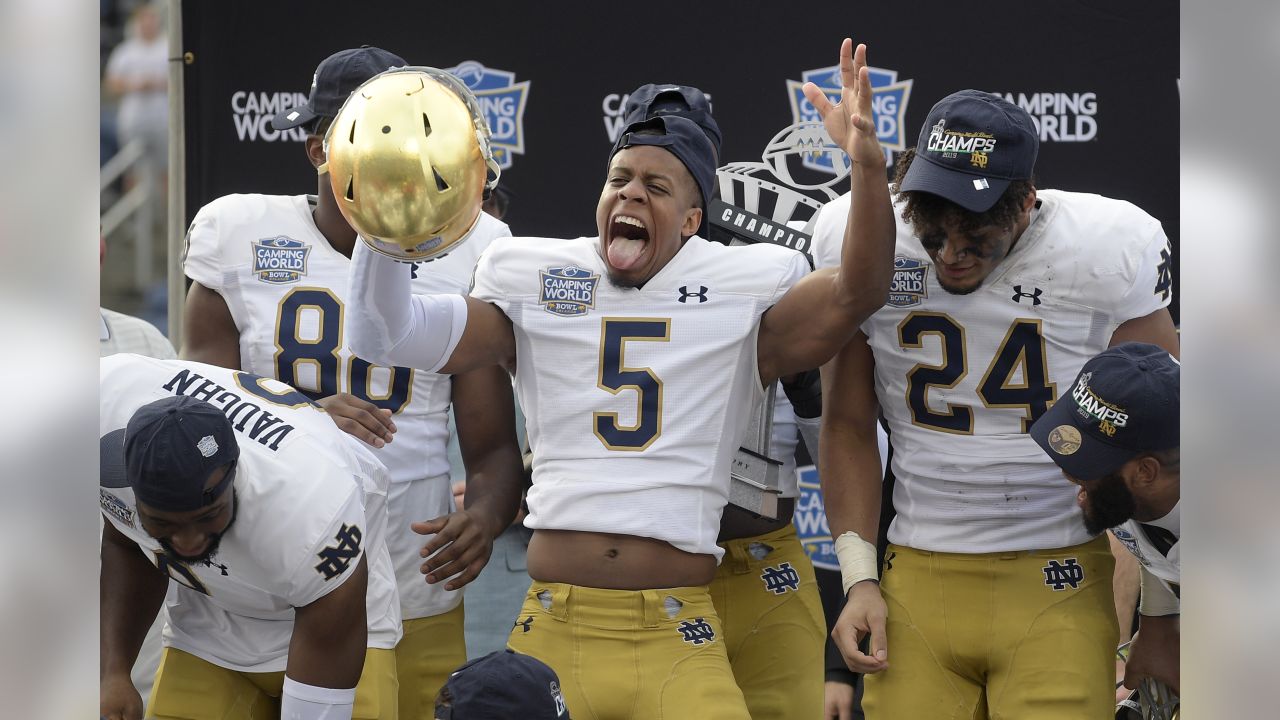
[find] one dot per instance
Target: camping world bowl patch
(279, 260)
(569, 291)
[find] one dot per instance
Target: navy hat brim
(1080, 455)
(293, 117)
(975, 193)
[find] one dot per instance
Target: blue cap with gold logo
(1123, 403)
(972, 146)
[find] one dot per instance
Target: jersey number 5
(1022, 350)
(614, 377)
(323, 352)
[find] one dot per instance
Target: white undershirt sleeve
(1157, 599)
(387, 324)
(300, 701)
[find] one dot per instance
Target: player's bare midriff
(614, 562)
(737, 523)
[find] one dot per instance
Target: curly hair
(926, 210)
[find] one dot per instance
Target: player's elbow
(858, 296)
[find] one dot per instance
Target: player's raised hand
(863, 614)
(360, 418)
(850, 122)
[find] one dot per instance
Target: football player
(269, 287)
(764, 591)
(266, 526)
(998, 600)
(1117, 437)
(638, 355)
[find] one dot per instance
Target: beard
(1107, 505)
(210, 552)
(960, 290)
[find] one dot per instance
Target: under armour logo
(1034, 295)
(780, 579)
(525, 623)
(1059, 575)
(334, 560)
(701, 294)
(697, 631)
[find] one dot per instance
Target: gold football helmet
(410, 162)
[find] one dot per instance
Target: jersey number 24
(1022, 349)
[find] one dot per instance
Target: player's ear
(692, 219)
(315, 150)
(1145, 472)
(1029, 202)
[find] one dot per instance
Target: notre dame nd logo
(779, 580)
(697, 631)
(1059, 575)
(335, 558)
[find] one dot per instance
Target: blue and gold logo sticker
(889, 97)
(568, 291)
(502, 100)
(910, 284)
(280, 260)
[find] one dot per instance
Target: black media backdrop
(1104, 73)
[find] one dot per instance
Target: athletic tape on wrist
(857, 560)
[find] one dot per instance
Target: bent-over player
(265, 523)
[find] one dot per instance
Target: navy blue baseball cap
(685, 101)
(1123, 403)
(172, 446)
(337, 76)
(684, 139)
(973, 144)
(503, 685)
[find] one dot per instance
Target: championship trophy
(764, 202)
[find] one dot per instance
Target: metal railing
(138, 204)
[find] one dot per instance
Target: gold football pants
(431, 649)
(774, 631)
(1007, 636)
(190, 688)
(624, 654)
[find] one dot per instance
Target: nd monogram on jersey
(636, 399)
(301, 485)
(286, 289)
(960, 378)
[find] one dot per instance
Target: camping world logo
(568, 291)
(502, 100)
(811, 521)
(888, 103)
(280, 260)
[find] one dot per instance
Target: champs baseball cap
(1124, 402)
(503, 685)
(684, 139)
(973, 144)
(172, 446)
(685, 101)
(337, 76)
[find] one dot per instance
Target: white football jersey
(960, 378)
(311, 501)
(286, 288)
(1165, 567)
(636, 399)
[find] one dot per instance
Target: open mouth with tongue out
(627, 240)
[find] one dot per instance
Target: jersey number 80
(323, 352)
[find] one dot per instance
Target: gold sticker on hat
(1064, 439)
